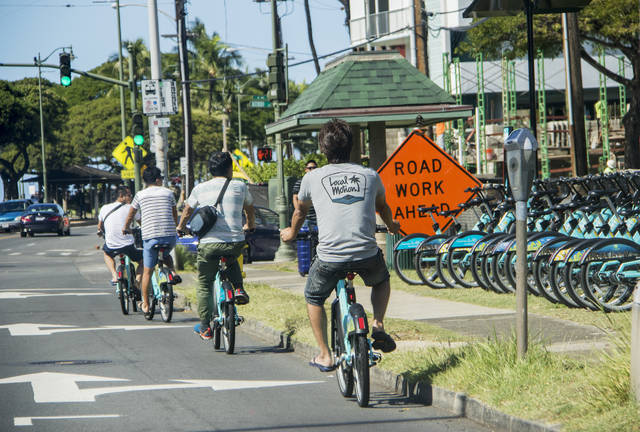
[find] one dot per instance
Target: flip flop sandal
(321, 367)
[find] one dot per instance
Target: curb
(83, 222)
(458, 403)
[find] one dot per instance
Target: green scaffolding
(604, 113)
(511, 69)
(506, 113)
(460, 123)
(481, 121)
(622, 91)
(542, 120)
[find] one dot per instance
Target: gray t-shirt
(228, 227)
(344, 197)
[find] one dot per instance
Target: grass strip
(588, 394)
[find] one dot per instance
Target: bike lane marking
(54, 387)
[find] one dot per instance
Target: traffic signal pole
(137, 153)
(186, 95)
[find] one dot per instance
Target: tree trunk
(632, 129)
(310, 34)
(10, 186)
(577, 95)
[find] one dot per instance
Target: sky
(29, 27)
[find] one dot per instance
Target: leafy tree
(263, 171)
(601, 24)
(20, 128)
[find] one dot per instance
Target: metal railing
(380, 24)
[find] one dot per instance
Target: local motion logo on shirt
(345, 188)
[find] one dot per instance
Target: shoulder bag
(205, 217)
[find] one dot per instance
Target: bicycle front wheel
(134, 294)
(361, 369)
(166, 303)
(229, 328)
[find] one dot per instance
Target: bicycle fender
(359, 317)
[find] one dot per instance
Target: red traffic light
(264, 154)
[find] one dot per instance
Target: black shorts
(323, 276)
(131, 251)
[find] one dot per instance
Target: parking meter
(521, 153)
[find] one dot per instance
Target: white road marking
(13, 295)
(59, 289)
(15, 253)
(40, 253)
(65, 253)
(31, 244)
(53, 387)
(28, 329)
(28, 421)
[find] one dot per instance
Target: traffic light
(264, 154)
(65, 69)
(277, 90)
(137, 131)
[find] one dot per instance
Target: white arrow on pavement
(12, 295)
(28, 329)
(53, 387)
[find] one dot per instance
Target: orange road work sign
(420, 174)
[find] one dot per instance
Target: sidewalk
(463, 318)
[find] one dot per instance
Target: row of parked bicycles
(583, 243)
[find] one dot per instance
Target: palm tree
(142, 66)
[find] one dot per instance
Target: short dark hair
(336, 140)
(122, 191)
(151, 174)
(310, 161)
(219, 164)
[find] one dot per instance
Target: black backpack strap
(221, 195)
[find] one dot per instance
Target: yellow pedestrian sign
(123, 153)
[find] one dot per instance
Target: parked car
(262, 243)
(44, 218)
(10, 213)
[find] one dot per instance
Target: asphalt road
(69, 360)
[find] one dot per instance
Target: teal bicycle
(162, 282)
(226, 318)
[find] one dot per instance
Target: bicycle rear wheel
(133, 292)
(123, 293)
(166, 302)
(124, 299)
(229, 328)
(404, 252)
(344, 372)
(361, 369)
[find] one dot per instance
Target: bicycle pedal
(376, 356)
(239, 319)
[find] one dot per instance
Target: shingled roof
(370, 86)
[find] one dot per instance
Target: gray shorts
(323, 276)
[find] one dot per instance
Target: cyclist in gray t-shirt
(346, 197)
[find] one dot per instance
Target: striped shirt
(156, 204)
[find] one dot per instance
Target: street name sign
(260, 102)
(421, 174)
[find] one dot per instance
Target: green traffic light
(65, 81)
(138, 139)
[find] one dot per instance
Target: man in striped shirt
(159, 218)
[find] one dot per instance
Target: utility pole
(123, 122)
(421, 35)
(186, 94)
(137, 153)
(156, 74)
(285, 251)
